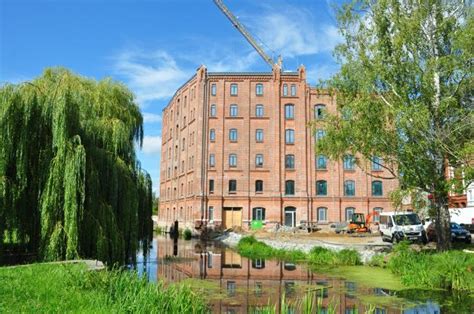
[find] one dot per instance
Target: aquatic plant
(70, 184)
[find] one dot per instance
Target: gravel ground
(367, 246)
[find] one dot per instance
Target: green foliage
(378, 260)
(60, 288)
(187, 234)
(70, 184)
(252, 248)
(451, 270)
(404, 93)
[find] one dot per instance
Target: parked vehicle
(463, 217)
(398, 226)
(458, 233)
(360, 223)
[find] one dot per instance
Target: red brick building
(238, 147)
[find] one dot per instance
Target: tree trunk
(443, 223)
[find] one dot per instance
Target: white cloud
(293, 31)
(151, 75)
(151, 117)
(151, 145)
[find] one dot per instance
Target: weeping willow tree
(70, 183)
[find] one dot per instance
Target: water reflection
(239, 285)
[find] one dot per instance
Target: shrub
(348, 257)
(187, 234)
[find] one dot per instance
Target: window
(259, 186)
(377, 212)
(213, 89)
(349, 188)
(320, 134)
(212, 160)
(321, 187)
(213, 112)
(321, 162)
(290, 187)
(232, 185)
(285, 89)
(230, 288)
(289, 136)
(377, 189)
(259, 135)
(211, 213)
(290, 161)
(349, 212)
(233, 89)
(232, 160)
(319, 111)
(293, 90)
(233, 135)
(259, 160)
(258, 264)
(234, 110)
(349, 162)
(211, 186)
(212, 135)
(258, 213)
(259, 111)
(259, 89)
(322, 214)
(289, 111)
(376, 163)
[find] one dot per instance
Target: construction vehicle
(241, 28)
(360, 223)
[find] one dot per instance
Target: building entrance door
(232, 217)
(290, 216)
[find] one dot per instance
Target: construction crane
(241, 28)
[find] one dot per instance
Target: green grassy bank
(59, 288)
(452, 270)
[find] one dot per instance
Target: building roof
(249, 73)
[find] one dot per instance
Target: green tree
(70, 184)
(404, 93)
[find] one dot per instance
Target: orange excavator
(360, 223)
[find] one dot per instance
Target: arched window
(259, 160)
(259, 111)
(321, 187)
(290, 161)
(289, 136)
(234, 89)
(349, 212)
(320, 134)
(319, 111)
(376, 163)
(349, 162)
(259, 135)
(322, 214)
(258, 213)
(289, 111)
(232, 160)
(377, 212)
(213, 89)
(321, 162)
(232, 185)
(285, 89)
(233, 135)
(290, 216)
(349, 188)
(259, 89)
(212, 135)
(259, 186)
(234, 110)
(377, 189)
(213, 112)
(293, 90)
(289, 187)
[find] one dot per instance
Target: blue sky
(154, 46)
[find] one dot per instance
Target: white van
(397, 226)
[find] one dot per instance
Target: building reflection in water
(247, 284)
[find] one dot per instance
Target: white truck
(398, 226)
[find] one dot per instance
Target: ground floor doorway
(232, 217)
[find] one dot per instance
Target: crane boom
(241, 28)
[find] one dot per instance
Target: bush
(378, 260)
(348, 257)
(187, 234)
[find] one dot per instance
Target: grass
(252, 248)
(58, 288)
(451, 270)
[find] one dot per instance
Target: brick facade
(205, 118)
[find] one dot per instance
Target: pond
(234, 284)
